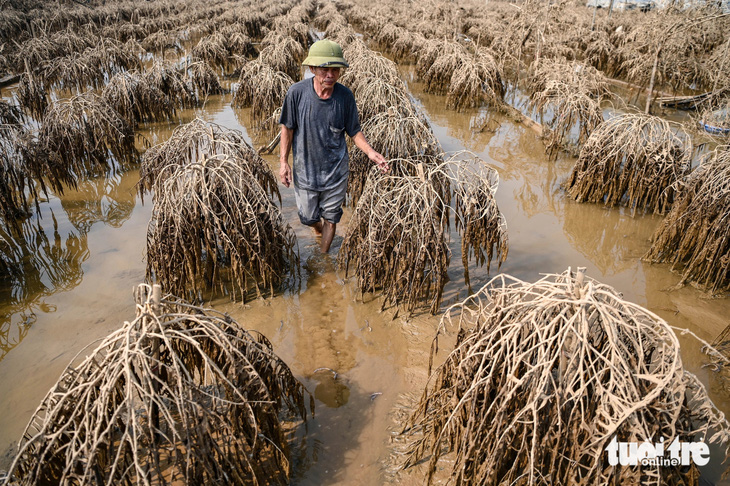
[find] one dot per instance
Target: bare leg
(317, 227)
(328, 233)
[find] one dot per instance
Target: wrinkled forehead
(326, 69)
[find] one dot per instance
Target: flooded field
(94, 257)
(82, 251)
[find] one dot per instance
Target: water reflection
(44, 254)
(100, 200)
(324, 456)
(471, 129)
(323, 341)
(611, 239)
(13, 329)
(523, 166)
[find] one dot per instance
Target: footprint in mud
(331, 391)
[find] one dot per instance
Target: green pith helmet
(325, 53)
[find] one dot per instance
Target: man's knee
(332, 215)
(332, 201)
(308, 220)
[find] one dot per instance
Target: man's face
(326, 76)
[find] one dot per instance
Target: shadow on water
(321, 459)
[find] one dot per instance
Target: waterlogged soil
(90, 255)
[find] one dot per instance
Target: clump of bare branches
(568, 108)
(90, 68)
(43, 47)
(388, 33)
(283, 53)
(327, 16)
(545, 375)
(397, 136)
(180, 394)
(214, 219)
(365, 64)
(281, 59)
(475, 82)
(167, 79)
(406, 45)
(203, 79)
(292, 27)
(374, 95)
(162, 40)
(600, 52)
(213, 50)
(716, 73)
(262, 88)
(160, 92)
(582, 77)
(666, 49)
(84, 136)
(191, 142)
(11, 116)
(238, 42)
(214, 227)
(32, 52)
(632, 160)
(396, 239)
(482, 227)
(695, 235)
(136, 101)
(426, 56)
(571, 94)
(15, 179)
(220, 49)
(439, 63)
(32, 96)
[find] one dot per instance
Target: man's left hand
(380, 161)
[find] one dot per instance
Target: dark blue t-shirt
(319, 148)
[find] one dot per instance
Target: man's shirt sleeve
(288, 116)
(352, 118)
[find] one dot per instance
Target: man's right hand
(285, 173)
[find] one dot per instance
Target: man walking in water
(317, 113)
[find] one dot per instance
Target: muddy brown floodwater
(90, 255)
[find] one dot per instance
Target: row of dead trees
(184, 394)
(634, 160)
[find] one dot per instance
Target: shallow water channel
(90, 254)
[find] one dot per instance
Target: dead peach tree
(544, 376)
(694, 238)
(214, 224)
(396, 242)
(179, 395)
(632, 160)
